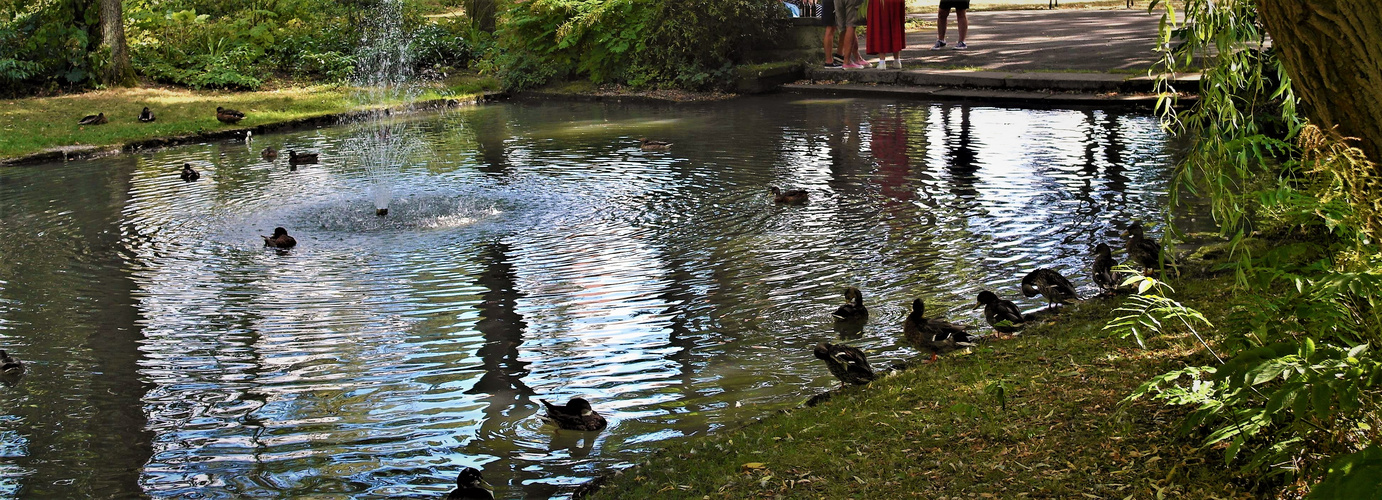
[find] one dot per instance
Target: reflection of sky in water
(534, 252)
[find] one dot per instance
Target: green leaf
(1321, 396)
(1357, 476)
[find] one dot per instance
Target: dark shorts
(827, 13)
(955, 4)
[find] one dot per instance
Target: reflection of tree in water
(1103, 146)
(959, 147)
(490, 131)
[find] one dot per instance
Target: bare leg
(962, 21)
(829, 44)
(940, 23)
(851, 46)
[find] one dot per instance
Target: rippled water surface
(534, 251)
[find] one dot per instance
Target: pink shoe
(855, 66)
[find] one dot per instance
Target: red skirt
(886, 33)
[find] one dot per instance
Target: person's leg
(962, 22)
(829, 45)
(943, 13)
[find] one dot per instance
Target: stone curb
(937, 92)
(65, 153)
(1008, 80)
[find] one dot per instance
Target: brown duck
(792, 196)
(280, 239)
(1102, 269)
(470, 486)
(1002, 315)
(269, 154)
(301, 159)
(146, 116)
(1049, 284)
(1142, 251)
(188, 173)
(651, 145)
(853, 308)
(577, 415)
(846, 363)
(96, 119)
(934, 335)
(228, 115)
(9, 365)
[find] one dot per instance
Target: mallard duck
(1103, 269)
(577, 415)
(10, 366)
(470, 486)
(651, 145)
(269, 154)
(96, 119)
(789, 196)
(188, 174)
(280, 239)
(228, 115)
(146, 116)
(997, 311)
(1142, 251)
(853, 309)
(1049, 284)
(301, 159)
(936, 336)
(846, 363)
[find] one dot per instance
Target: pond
(533, 251)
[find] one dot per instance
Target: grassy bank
(1040, 416)
(37, 124)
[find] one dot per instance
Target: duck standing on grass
(1142, 251)
(1049, 284)
(577, 415)
(225, 115)
(846, 363)
(146, 116)
(188, 173)
(470, 486)
(791, 196)
(1002, 315)
(10, 366)
(1102, 270)
(280, 239)
(96, 119)
(935, 336)
(853, 309)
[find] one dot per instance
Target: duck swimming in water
(853, 309)
(577, 415)
(280, 239)
(846, 363)
(651, 145)
(10, 366)
(188, 174)
(470, 486)
(1002, 315)
(1051, 285)
(791, 196)
(301, 159)
(935, 336)
(269, 154)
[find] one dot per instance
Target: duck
(846, 363)
(1102, 269)
(301, 159)
(792, 196)
(470, 486)
(146, 116)
(1142, 251)
(577, 415)
(936, 336)
(651, 145)
(997, 311)
(853, 309)
(96, 119)
(280, 239)
(10, 366)
(189, 174)
(228, 115)
(1049, 284)
(269, 154)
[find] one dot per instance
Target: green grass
(36, 124)
(1040, 416)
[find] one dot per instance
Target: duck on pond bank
(933, 335)
(846, 363)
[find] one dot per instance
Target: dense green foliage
(689, 44)
(1296, 393)
(236, 44)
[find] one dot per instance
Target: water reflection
(536, 252)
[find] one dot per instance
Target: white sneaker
(882, 64)
(898, 63)
(938, 45)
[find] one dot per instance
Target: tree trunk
(118, 71)
(1332, 50)
(481, 13)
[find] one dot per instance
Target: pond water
(534, 252)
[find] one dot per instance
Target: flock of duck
(937, 336)
(847, 363)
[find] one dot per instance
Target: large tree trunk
(1332, 50)
(118, 71)
(481, 13)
